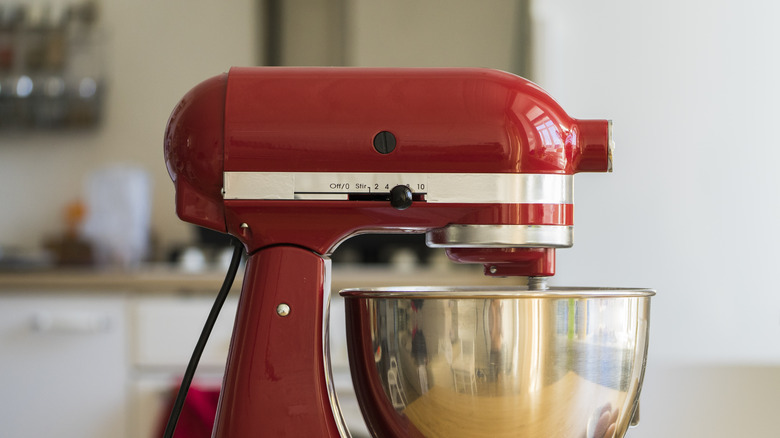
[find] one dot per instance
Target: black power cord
(170, 427)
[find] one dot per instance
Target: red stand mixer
(293, 161)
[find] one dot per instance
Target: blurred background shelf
(52, 66)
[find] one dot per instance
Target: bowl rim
(486, 292)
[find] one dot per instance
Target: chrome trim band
(492, 292)
(500, 236)
(469, 188)
(611, 146)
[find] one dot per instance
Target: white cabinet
(101, 364)
(163, 331)
(98, 355)
(165, 328)
(62, 365)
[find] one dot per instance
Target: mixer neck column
(277, 378)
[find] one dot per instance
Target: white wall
(156, 51)
(692, 205)
(434, 33)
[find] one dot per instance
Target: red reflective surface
(378, 412)
(194, 153)
(275, 378)
(503, 262)
(325, 119)
(318, 225)
(444, 120)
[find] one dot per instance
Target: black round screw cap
(401, 197)
(384, 142)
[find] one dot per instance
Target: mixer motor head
(479, 160)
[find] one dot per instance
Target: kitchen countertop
(165, 278)
(146, 279)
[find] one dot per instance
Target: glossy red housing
(506, 262)
(275, 381)
(195, 153)
(325, 120)
(444, 120)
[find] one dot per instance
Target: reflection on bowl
(451, 362)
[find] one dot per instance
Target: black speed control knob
(401, 197)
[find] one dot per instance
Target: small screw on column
(283, 309)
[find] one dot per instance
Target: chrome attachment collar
(501, 236)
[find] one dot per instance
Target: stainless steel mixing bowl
(450, 362)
